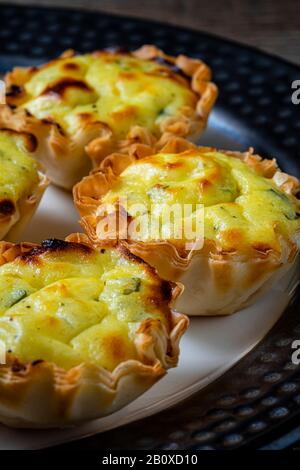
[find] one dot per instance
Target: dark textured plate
(257, 403)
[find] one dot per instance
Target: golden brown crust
(40, 394)
(65, 156)
(216, 281)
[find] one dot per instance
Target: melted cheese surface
(117, 89)
(18, 171)
(75, 305)
(241, 208)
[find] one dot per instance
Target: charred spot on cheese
(70, 66)
(37, 362)
(7, 207)
(56, 244)
(53, 245)
(242, 209)
(62, 245)
(79, 306)
(117, 89)
(63, 85)
(14, 90)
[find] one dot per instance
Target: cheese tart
(80, 108)
(21, 183)
(248, 209)
(85, 332)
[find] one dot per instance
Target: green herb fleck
(282, 196)
(162, 112)
(294, 216)
(135, 287)
(16, 296)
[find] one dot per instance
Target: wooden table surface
(271, 25)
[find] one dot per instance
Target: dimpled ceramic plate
(254, 109)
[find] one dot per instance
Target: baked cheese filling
(242, 209)
(18, 173)
(68, 304)
(117, 89)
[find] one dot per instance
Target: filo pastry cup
(251, 219)
(85, 332)
(80, 108)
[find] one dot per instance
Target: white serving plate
(210, 347)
